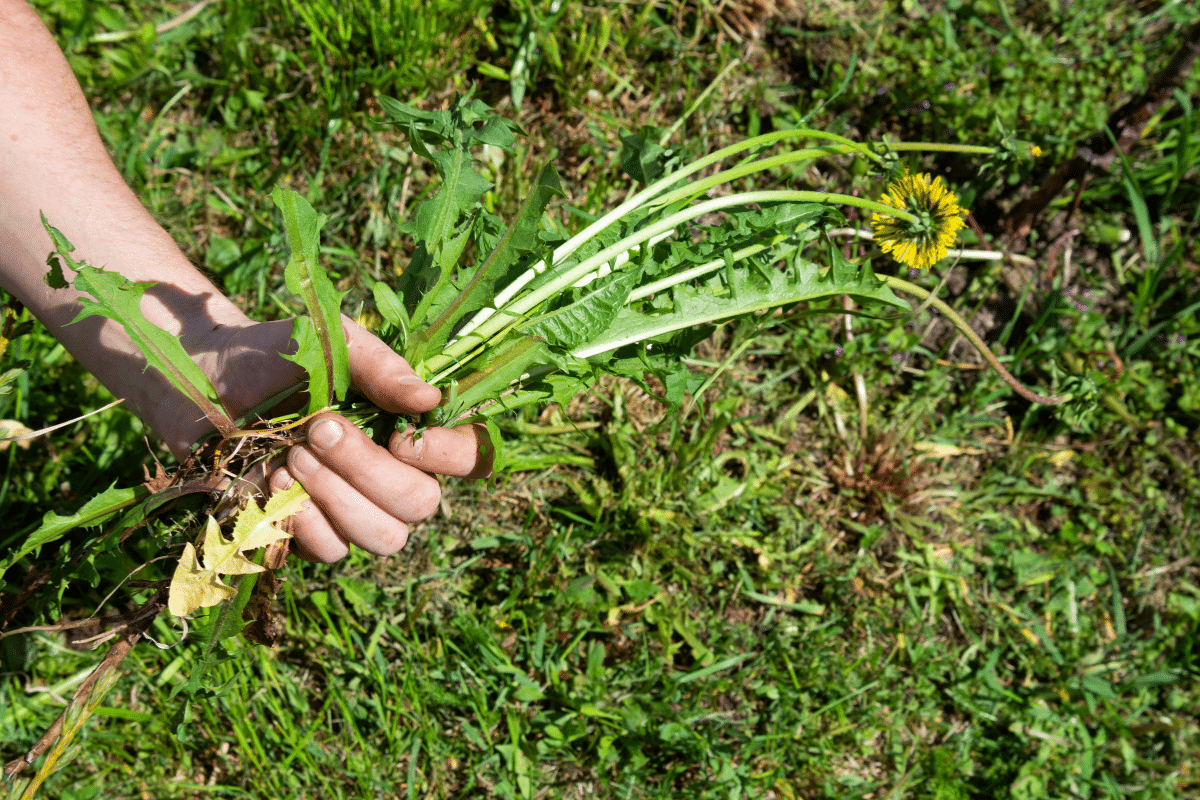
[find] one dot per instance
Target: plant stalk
(972, 337)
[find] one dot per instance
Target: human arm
(53, 161)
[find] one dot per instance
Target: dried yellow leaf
(259, 527)
(194, 586)
(11, 429)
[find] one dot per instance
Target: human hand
(53, 165)
(362, 494)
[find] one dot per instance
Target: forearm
(52, 161)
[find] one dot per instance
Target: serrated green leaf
(94, 512)
(307, 278)
(680, 383)
(498, 132)
(436, 220)
(311, 358)
(455, 126)
(111, 295)
(442, 236)
(573, 325)
(519, 237)
(404, 114)
(693, 308)
(642, 156)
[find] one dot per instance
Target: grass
(760, 594)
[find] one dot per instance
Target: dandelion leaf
(307, 278)
(111, 295)
(311, 357)
(194, 587)
(750, 295)
(575, 324)
(94, 512)
(260, 527)
(197, 585)
(476, 286)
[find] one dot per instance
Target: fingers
(384, 376)
(313, 538)
(361, 495)
(465, 452)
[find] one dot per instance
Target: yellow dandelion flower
(923, 241)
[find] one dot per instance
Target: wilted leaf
(257, 527)
(194, 586)
(11, 429)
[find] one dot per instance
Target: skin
(53, 161)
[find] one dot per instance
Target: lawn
(852, 563)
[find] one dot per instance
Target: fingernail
(303, 461)
(325, 434)
(412, 381)
(281, 480)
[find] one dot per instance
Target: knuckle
(405, 445)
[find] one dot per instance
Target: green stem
(935, 147)
(965, 329)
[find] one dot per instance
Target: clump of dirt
(881, 474)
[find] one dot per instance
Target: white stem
(970, 255)
(659, 187)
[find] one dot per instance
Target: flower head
(920, 242)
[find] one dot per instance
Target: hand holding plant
(369, 495)
(211, 363)
(353, 478)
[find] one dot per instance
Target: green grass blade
(94, 512)
(720, 666)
